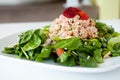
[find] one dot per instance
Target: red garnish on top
(83, 15)
(72, 12)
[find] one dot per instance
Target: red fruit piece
(83, 15)
(70, 12)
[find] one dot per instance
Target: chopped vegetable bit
(59, 51)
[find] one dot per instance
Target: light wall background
(109, 9)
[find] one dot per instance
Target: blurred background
(48, 10)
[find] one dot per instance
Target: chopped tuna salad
(64, 27)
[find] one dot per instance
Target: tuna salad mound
(73, 39)
(67, 27)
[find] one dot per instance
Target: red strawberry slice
(83, 15)
(70, 12)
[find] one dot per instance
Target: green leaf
(33, 43)
(46, 29)
(116, 50)
(72, 43)
(84, 49)
(44, 54)
(40, 33)
(26, 55)
(98, 55)
(103, 28)
(91, 62)
(83, 55)
(69, 62)
(9, 50)
(38, 58)
(64, 57)
(31, 54)
(37, 32)
(25, 37)
(56, 39)
(95, 43)
(115, 53)
(42, 36)
(112, 42)
(115, 34)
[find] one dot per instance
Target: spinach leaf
(31, 54)
(40, 33)
(98, 55)
(69, 62)
(46, 29)
(72, 43)
(103, 29)
(9, 50)
(25, 37)
(44, 54)
(115, 34)
(64, 56)
(86, 60)
(38, 58)
(33, 43)
(91, 62)
(116, 50)
(95, 43)
(25, 53)
(112, 42)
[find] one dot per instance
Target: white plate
(108, 65)
(13, 67)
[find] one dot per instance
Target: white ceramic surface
(12, 68)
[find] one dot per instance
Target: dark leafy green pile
(77, 52)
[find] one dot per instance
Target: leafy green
(25, 53)
(70, 61)
(46, 29)
(91, 62)
(41, 35)
(72, 43)
(64, 56)
(103, 28)
(98, 55)
(116, 50)
(115, 34)
(30, 45)
(33, 43)
(26, 36)
(45, 53)
(112, 42)
(9, 50)
(95, 43)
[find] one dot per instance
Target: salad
(73, 39)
